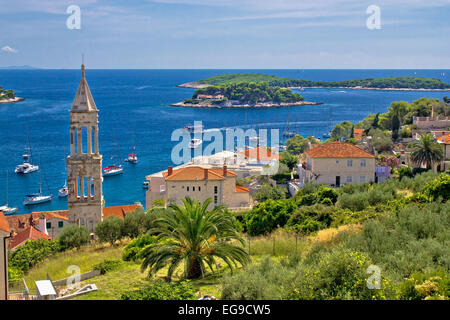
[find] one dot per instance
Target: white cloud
(9, 49)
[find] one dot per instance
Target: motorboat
(195, 128)
(195, 143)
(64, 191)
(145, 184)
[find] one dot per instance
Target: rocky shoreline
(258, 105)
(195, 85)
(16, 99)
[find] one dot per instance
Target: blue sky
(265, 34)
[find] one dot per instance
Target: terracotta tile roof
(260, 154)
(119, 211)
(242, 189)
(358, 133)
(30, 233)
(338, 150)
(445, 138)
(3, 224)
(192, 173)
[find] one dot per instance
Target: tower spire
(82, 66)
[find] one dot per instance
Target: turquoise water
(136, 101)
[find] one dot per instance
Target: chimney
(169, 171)
(225, 169)
(206, 173)
(42, 226)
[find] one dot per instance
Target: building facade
(198, 183)
(84, 164)
(336, 164)
(4, 235)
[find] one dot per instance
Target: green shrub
(109, 230)
(107, 266)
(355, 202)
(162, 290)
(131, 251)
(269, 191)
(269, 215)
(137, 223)
(439, 187)
(31, 253)
(309, 219)
(73, 237)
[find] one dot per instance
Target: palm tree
(427, 151)
(193, 235)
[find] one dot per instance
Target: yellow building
(336, 164)
(198, 183)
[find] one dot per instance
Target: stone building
(337, 163)
(84, 164)
(198, 183)
(4, 235)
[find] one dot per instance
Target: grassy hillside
(380, 83)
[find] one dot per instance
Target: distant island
(243, 95)
(24, 67)
(8, 96)
(390, 83)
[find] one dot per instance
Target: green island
(8, 96)
(390, 83)
(244, 94)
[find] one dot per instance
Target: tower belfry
(84, 164)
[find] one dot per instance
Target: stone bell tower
(84, 164)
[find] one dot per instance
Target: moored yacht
(112, 170)
(5, 209)
(64, 191)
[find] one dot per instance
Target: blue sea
(137, 101)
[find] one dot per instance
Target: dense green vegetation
(391, 82)
(405, 236)
(251, 93)
(6, 94)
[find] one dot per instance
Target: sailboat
(26, 167)
(287, 132)
(64, 191)
(132, 157)
(36, 198)
(113, 170)
(5, 209)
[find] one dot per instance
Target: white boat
(26, 167)
(132, 157)
(64, 191)
(195, 143)
(37, 198)
(112, 170)
(195, 128)
(145, 184)
(5, 209)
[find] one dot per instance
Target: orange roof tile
(119, 211)
(338, 150)
(3, 224)
(196, 173)
(358, 133)
(30, 233)
(445, 138)
(260, 154)
(242, 189)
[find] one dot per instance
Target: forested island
(244, 94)
(8, 96)
(390, 83)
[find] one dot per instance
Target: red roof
(3, 224)
(119, 211)
(445, 138)
(242, 189)
(192, 173)
(338, 150)
(30, 233)
(260, 154)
